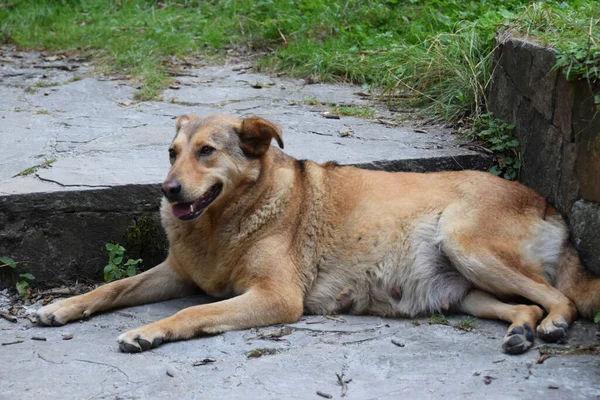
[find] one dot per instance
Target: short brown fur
(286, 237)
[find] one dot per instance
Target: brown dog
(278, 237)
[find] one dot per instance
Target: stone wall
(60, 236)
(558, 127)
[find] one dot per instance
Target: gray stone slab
(99, 137)
(436, 361)
(585, 220)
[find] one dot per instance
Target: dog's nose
(171, 189)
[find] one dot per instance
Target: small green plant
(22, 283)
(597, 318)
(466, 324)
(31, 170)
(313, 101)
(499, 137)
(117, 267)
(438, 319)
(354, 111)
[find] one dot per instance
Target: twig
(282, 36)
(203, 362)
(8, 317)
(335, 318)
(15, 342)
(58, 291)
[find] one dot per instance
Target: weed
(499, 137)
(31, 170)
(22, 283)
(354, 111)
(415, 323)
(7, 262)
(597, 318)
(311, 102)
(117, 267)
(466, 324)
(28, 171)
(42, 84)
(439, 319)
(42, 112)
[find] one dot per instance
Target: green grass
(354, 111)
(573, 30)
(45, 164)
(466, 324)
(439, 319)
(433, 54)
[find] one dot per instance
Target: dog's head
(211, 156)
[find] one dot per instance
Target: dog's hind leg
(499, 270)
(157, 284)
(523, 318)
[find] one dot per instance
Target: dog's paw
(553, 331)
(140, 339)
(518, 339)
(60, 313)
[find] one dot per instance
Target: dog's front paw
(553, 331)
(60, 313)
(140, 339)
(518, 339)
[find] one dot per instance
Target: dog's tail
(573, 280)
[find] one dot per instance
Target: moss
(145, 238)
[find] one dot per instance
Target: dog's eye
(206, 150)
(172, 154)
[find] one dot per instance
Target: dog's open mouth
(189, 211)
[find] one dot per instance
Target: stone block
(503, 96)
(541, 150)
(542, 80)
(516, 60)
(563, 105)
(585, 224)
(569, 182)
(586, 126)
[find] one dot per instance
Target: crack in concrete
(107, 365)
(134, 126)
(330, 331)
(359, 340)
(49, 361)
(67, 185)
(319, 133)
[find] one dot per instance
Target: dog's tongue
(181, 209)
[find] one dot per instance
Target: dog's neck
(256, 203)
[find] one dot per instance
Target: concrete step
(83, 161)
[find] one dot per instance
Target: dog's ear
(256, 135)
(184, 119)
